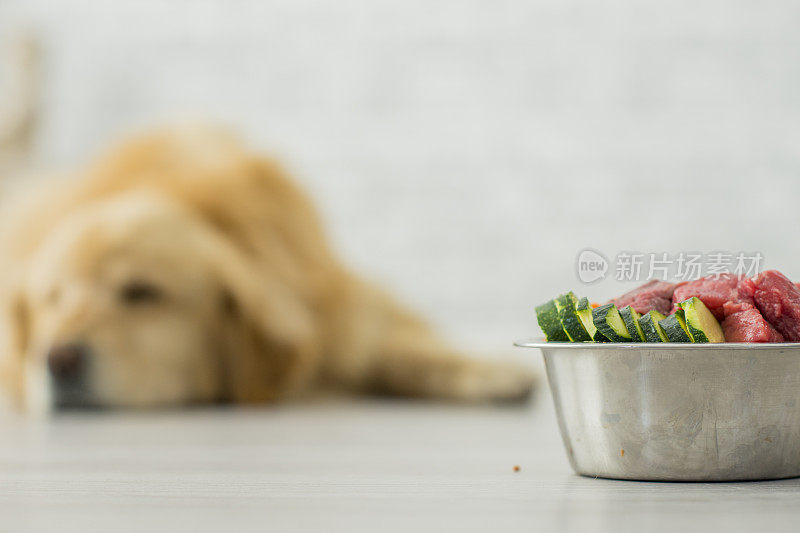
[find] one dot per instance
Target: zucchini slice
(584, 310)
(547, 317)
(653, 332)
(675, 327)
(608, 321)
(700, 323)
(570, 321)
(631, 318)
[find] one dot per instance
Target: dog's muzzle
(68, 366)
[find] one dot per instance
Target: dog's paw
(494, 381)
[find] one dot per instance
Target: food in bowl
(714, 309)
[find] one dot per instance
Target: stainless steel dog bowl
(677, 412)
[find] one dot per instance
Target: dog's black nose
(66, 361)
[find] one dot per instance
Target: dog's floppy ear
(13, 342)
(269, 344)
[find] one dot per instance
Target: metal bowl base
(678, 412)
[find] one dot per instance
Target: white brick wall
(462, 152)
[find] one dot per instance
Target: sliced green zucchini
(631, 318)
(570, 321)
(653, 332)
(565, 300)
(675, 327)
(608, 321)
(547, 316)
(584, 309)
(680, 314)
(700, 323)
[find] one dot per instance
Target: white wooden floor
(343, 466)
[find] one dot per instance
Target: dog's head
(136, 301)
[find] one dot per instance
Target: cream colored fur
(252, 305)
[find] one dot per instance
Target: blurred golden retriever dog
(179, 269)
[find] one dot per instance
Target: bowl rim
(539, 342)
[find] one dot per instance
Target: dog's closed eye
(140, 292)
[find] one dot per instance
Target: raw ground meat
(778, 299)
(714, 291)
(653, 295)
